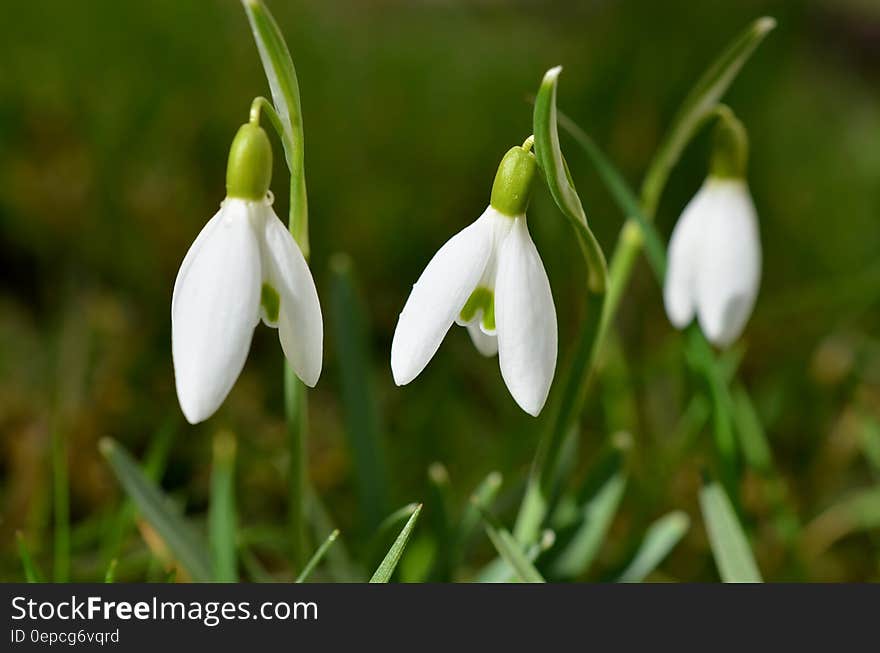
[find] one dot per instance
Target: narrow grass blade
(340, 566)
(389, 563)
(253, 567)
(182, 542)
(500, 571)
(733, 557)
(510, 550)
(439, 509)
(702, 358)
(317, 557)
(281, 75)
(221, 517)
(110, 576)
(858, 512)
(870, 443)
(752, 438)
(597, 515)
(154, 466)
(661, 538)
(31, 573)
(481, 499)
(621, 193)
(362, 423)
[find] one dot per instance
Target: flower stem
(296, 416)
(295, 404)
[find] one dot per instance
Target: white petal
(214, 309)
(680, 285)
(485, 343)
(300, 324)
(438, 297)
(730, 263)
(525, 318)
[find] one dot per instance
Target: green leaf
(317, 557)
(870, 442)
(386, 567)
(733, 557)
(858, 512)
(661, 538)
(185, 545)
(597, 515)
(621, 193)
(558, 178)
(154, 466)
(31, 573)
(752, 438)
(499, 571)
(221, 517)
(360, 407)
(698, 106)
(481, 499)
(110, 575)
(510, 551)
(281, 75)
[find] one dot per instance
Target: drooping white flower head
(243, 266)
(490, 279)
(714, 269)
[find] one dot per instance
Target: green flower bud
(730, 150)
(513, 182)
(249, 170)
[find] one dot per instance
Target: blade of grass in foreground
(31, 573)
(110, 575)
(499, 571)
(221, 516)
(184, 544)
(598, 513)
(661, 538)
(155, 460)
(386, 567)
(510, 551)
(730, 548)
(319, 555)
(362, 424)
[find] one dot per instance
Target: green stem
(544, 478)
(296, 415)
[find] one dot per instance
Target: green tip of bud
(730, 147)
(249, 170)
(513, 181)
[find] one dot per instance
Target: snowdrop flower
(244, 266)
(489, 279)
(715, 251)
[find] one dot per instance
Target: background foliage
(115, 119)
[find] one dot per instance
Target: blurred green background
(115, 122)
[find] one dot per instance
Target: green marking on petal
(271, 302)
(482, 299)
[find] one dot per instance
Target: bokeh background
(115, 122)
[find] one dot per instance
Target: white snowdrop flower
(490, 279)
(244, 266)
(714, 268)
